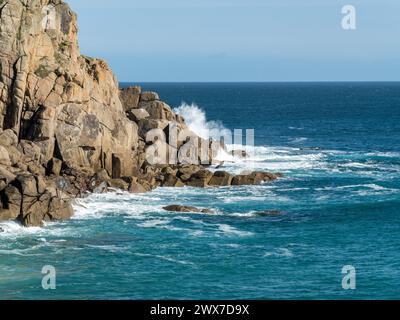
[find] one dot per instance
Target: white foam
(109, 248)
(280, 252)
(298, 140)
(358, 165)
(154, 223)
(384, 154)
(166, 258)
(354, 186)
(134, 206)
(11, 229)
(271, 159)
(229, 230)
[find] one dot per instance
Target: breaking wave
(196, 120)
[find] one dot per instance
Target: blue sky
(241, 40)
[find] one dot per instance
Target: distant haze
(242, 40)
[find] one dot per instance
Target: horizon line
(278, 81)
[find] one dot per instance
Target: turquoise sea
(338, 145)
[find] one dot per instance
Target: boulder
(40, 184)
(4, 157)
(14, 153)
(36, 169)
(130, 97)
(136, 187)
(221, 178)
(200, 179)
(171, 180)
(138, 114)
(12, 199)
(31, 151)
(187, 209)
(118, 184)
(254, 178)
(6, 175)
(146, 125)
(158, 110)
(9, 214)
(8, 138)
(60, 209)
(34, 210)
(27, 184)
(186, 171)
(148, 96)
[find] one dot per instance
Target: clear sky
(241, 40)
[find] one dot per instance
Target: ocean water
(338, 147)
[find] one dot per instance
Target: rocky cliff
(67, 129)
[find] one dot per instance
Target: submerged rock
(188, 209)
(268, 213)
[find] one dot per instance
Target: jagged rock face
(67, 104)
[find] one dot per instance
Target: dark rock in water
(136, 187)
(1, 230)
(254, 178)
(186, 171)
(200, 179)
(269, 213)
(221, 178)
(172, 181)
(178, 208)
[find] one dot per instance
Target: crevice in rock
(9, 119)
(57, 152)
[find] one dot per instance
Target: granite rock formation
(66, 129)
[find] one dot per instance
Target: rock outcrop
(187, 209)
(66, 129)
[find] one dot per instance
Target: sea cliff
(66, 129)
